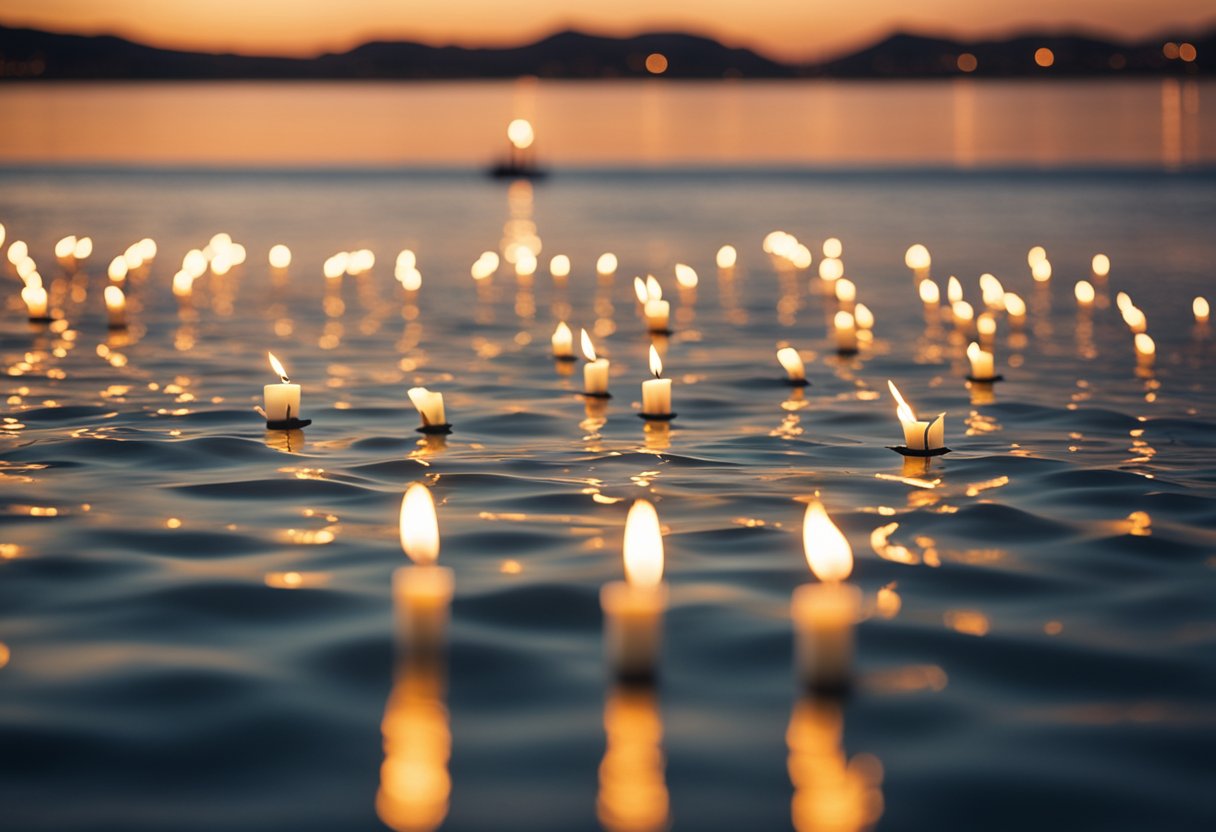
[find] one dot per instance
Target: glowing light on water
(521, 134)
(686, 276)
(65, 247)
(726, 257)
(1084, 292)
(18, 251)
(917, 257)
(831, 269)
(606, 264)
(117, 270)
(1201, 309)
(832, 247)
(930, 294)
(846, 290)
(559, 266)
(1100, 265)
(279, 256)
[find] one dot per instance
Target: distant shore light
(520, 133)
(1044, 57)
(656, 63)
(967, 62)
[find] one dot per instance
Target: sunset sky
(791, 29)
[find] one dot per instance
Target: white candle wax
(982, 362)
(429, 405)
(657, 313)
(924, 435)
(656, 397)
(633, 625)
(563, 342)
(595, 376)
(35, 301)
(846, 332)
(421, 598)
(824, 615)
(282, 402)
(116, 307)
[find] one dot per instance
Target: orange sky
(792, 29)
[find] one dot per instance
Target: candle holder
(565, 358)
(604, 395)
(906, 451)
(435, 430)
(657, 417)
(287, 424)
(666, 332)
(990, 380)
(117, 327)
(796, 382)
(41, 319)
(848, 351)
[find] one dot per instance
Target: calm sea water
(195, 613)
(658, 123)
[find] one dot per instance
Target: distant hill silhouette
(27, 54)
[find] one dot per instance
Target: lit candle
(727, 257)
(1146, 350)
(422, 592)
(846, 293)
(118, 268)
(563, 343)
(930, 295)
(559, 267)
(824, 613)
(656, 392)
(795, 371)
(686, 276)
(1015, 308)
(1200, 307)
(430, 408)
(846, 333)
(116, 307)
(595, 371)
(917, 259)
(282, 400)
(1100, 266)
(605, 264)
(633, 608)
(35, 303)
(657, 314)
(1084, 293)
(920, 438)
(992, 291)
(983, 363)
(279, 256)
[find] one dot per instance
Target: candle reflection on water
(415, 783)
(831, 792)
(632, 790)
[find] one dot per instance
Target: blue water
(1051, 660)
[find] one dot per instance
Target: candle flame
(277, 366)
(656, 363)
(904, 410)
(917, 257)
(1100, 265)
(727, 257)
(639, 289)
(1201, 308)
(1144, 344)
(828, 552)
(792, 362)
(562, 333)
(844, 320)
(588, 347)
(929, 293)
(643, 545)
(954, 290)
(653, 290)
(974, 350)
(419, 525)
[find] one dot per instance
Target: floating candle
(116, 307)
(846, 333)
(920, 437)
(595, 371)
(35, 302)
(863, 317)
(954, 290)
(1146, 350)
(422, 592)
(1200, 307)
(605, 264)
(982, 363)
(658, 315)
(930, 294)
(18, 251)
(846, 292)
(992, 291)
(559, 267)
(1084, 293)
(726, 257)
(824, 613)
(830, 270)
(794, 369)
(656, 392)
(282, 401)
(279, 256)
(1041, 270)
(563, 343)
(917, 259)
(118, 268)
(633, 608)
(430, 408)
(1015, 308)
(65, 247)
(1100, 266)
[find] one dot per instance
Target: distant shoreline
(32, 55)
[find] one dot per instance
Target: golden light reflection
(831, 792)
(415, 783)
(967, 622)
(632, 792)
